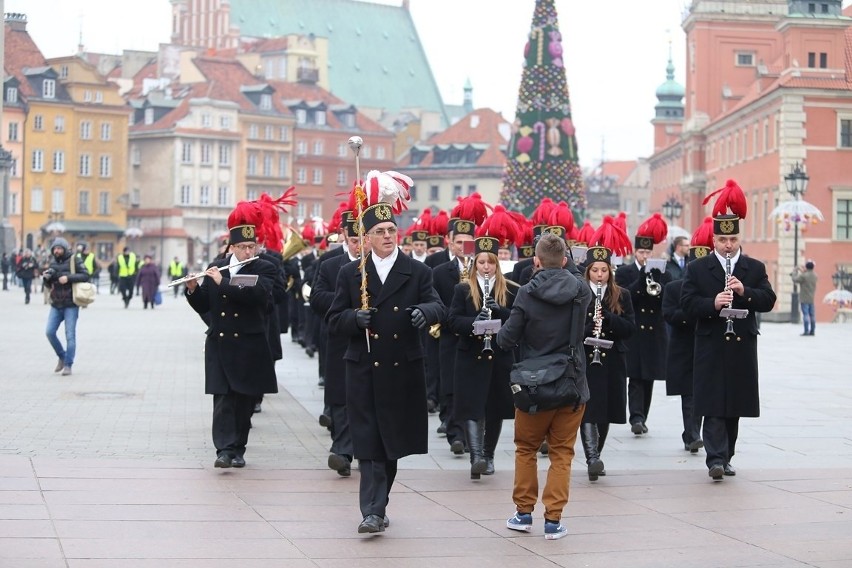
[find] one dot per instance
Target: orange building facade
(768, 87)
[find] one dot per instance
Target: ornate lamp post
(797, 183)
(672, 209)
(842, 280)
(7, 233)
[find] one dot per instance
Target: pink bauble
(525, 144)
(568, 126)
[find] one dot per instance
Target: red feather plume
(440, 223)
(541, 215)
(654, 227)
(703, 235)
(525, 228)
(337, 218)
(611, 236)
(562, 216)
(500, 225)
(621, 221)
(731, 197)
(472, 208)
(424, 221)
(308, 232)
(585, 234)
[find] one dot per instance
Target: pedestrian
(5, 265)
(238, 363)
(26, 271)
(547, 318)
(725, 374)
(126, 267)
(149, 281)
(385, 377)
(177, 270)
(677, 261)
(609, 317)
(481, 392)
(58, 278)
(807, 279)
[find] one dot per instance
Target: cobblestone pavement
(112, 467)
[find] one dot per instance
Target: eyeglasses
(242, 247)
(391, 231)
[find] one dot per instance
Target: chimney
(17, 22)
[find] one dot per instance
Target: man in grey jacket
(59, 278)
(807, 279)
(543, 320)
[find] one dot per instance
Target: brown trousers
(559, 427)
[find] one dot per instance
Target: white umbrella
(838, 298)
(133, 232)
(55, 227)
(676, 231)
(796, 210)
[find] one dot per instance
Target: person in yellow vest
(88, 260)
(176, 270)
(127, 266)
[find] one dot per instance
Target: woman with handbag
(149, 281)
(482, 397)
(609, 317)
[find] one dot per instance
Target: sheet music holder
(735, 313)
(483, 327)
(243, 280)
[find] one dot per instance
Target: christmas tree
(542, 155)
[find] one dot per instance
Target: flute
(198, 275)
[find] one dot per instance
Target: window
(366, 152)
(253, 130)
(38, 161)
(316, 176)
(11, 95)
(316, 210)
(283, 171)
(251, 164)
(83, 205)
(754, 140)
(267, 132)
(59, 124)
(301, 175)
(206, 120)
(845, 133)
(38, 122)
(225, 122)
(341, 178)
(204, 195)
(745, 59)
(318, 147)
(341, 150)
(185, 194)
(843, 214)
(223, 197)
(149, 116)
(105, 166)
(285, 134)
(13, 131)
(135, 156)
(412, 191)
(319, 117)
(301, 116)
(812, 7)
(300, 210)
(57, 200)
(225, 155)
(87, 96)
(349, 120)
(457, 191)
(765, 135)
(434, 192)
(103, 203)
(106, 131)
(823, 60)
(252, 194)
(48, 89)
(267, 165)
(99, 97)
(37, 200)
(266, 101)
(301, 148)
(85, 165)
(206, 154)
(186, 153)
(471, 189)
(380, 153)
(59, 162)
(641, 207)
(85, 130)
(811, 59)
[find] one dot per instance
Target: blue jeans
(54, 318)
(808, 318)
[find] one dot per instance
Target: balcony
(307, 75)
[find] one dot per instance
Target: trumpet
(596, 340)
(198, 275)
(729, 321)
(486, 340)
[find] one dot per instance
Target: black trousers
(232, 422)
(125, 287)
(341, 435)
(720, 439)
(691, 423)
(376, 481)
(639, 399)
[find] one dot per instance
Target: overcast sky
(615, 53)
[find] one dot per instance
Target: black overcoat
(646, 354)
(386, 388)
(322, 295)
(481, 381)
(725, 377)
(437, 258)
(608, 381)
(237, 356)
(445, 278)
(681, 341)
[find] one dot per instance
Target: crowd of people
(450, 316)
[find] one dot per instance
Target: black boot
(492, 436)
(589, 435)
(474, 431)
(603, 431)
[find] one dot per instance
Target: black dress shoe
(457, 447)
(386, 521)
(321, 382)
(716, 472)
(489, 466)
(442, 429)
(730, 471)
(223, 461)
(636, 428)
(431, 406)
(371, 524)
(309, 351)
(325, 420)
(257, 409)
(238, 461)
(693, 446)
(341, 464)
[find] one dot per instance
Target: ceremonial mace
(355, 143)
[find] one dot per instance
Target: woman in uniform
(483, 397)
(613, 311)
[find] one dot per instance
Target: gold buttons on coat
(396, 308)
(395, 336)
(642, 310)
(641, 327)
(221, 334)
(376, 364)
(395, 364)
(727, 338)
(739, 338)
(236, 335)
(223, 314)
(375, 336)
(236, 315)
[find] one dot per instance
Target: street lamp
(842, 280)
(7, 233)
(797, 183)
(672, 209)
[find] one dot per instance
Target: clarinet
(598, 319)
(729, 321)
(486, 340)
